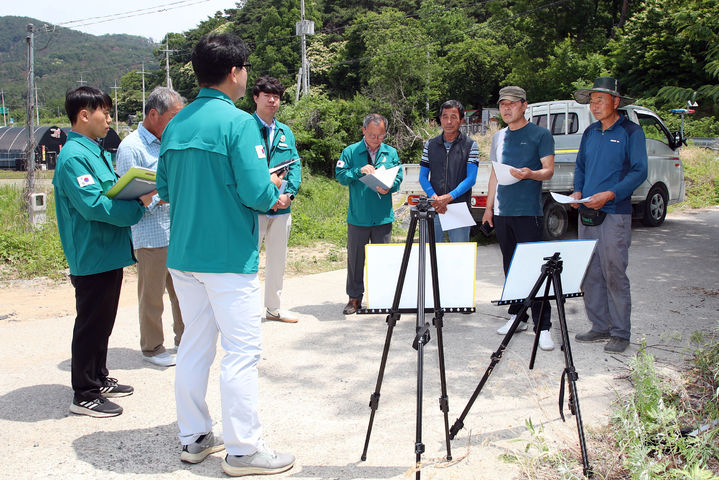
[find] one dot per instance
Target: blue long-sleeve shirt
(612, 160)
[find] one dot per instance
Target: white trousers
(228, 304)
(275, 230)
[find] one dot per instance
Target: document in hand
(282, 166)
(382, 177)
(136, 181)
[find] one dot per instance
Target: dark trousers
(357, 238)
(96, 300)
(510, 232)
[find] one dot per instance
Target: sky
(146, 18)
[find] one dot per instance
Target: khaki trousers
(152, 281)
(275, 231)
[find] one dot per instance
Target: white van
(567, 120)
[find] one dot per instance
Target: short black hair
(214, 56)
(85, 96)
(267, 84)
(452, 104)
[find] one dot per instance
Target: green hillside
(62, 58)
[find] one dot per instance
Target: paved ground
(317, 377)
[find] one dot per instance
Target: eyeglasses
(247, 66)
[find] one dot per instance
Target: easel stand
(425, 215)
(551, 275)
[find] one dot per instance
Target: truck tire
(556, 220)
(655, 207)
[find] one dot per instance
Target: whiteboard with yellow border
(456, 265)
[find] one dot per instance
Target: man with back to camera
(516, 210)
(611, 164)
(95, 236)
(213, 172)
(151, 235)
(448, 168)
(275, 224)
(370, 214)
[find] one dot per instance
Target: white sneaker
(545, 340)
(281, 316)
(520, 328)
(163, 359)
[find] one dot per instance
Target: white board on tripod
(456, 269)
(527, 261)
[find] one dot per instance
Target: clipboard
(283, 165)
(382, 177)
(137, 181)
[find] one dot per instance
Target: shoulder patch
(260, 149)
(85, 180)
(340, 163)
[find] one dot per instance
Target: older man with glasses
(370, 214)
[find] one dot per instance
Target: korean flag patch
(85, 180)
(340, 163)
(260, 151)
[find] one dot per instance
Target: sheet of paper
(502, 172)
(566, 199)
(457, 216)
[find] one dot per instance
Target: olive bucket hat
(603, 85)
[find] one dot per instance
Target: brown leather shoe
(352, 306)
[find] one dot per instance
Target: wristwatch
(292, 196)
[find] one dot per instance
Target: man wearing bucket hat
(516, 210)
(611, 163)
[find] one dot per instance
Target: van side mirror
(677, 141)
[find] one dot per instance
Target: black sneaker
(592, 336)
(97, 407)
(616, 345)
(110, 388)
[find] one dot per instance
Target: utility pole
(37, 109)
(81, 81)
(4, 113)
(168, 80)
(143, 90)
(117, 127)
(302, 29)
(30, 154)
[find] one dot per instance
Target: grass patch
(701, 176)
(26, 252)
(39, 174)
(648, 435)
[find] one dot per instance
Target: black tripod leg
(439, 323)
(392, 319)
(570, 371)
(536, 328)
(497, 356)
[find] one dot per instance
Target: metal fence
(704, 142)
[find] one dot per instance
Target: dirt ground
(317, 375)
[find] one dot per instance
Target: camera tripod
(551, 275)
(423, 214)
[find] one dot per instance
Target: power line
(133, 13)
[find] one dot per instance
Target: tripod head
(424, 204)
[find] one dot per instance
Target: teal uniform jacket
(367, 206)
(282, 149)
(213, 172)
(94, 229)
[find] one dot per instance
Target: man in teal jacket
(213, 172)
(95, 235)
(275, 223)
(370, 214)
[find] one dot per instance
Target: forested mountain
(62, 58)
(404, 57)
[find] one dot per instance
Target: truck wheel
(556, 220)
(655, 207)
